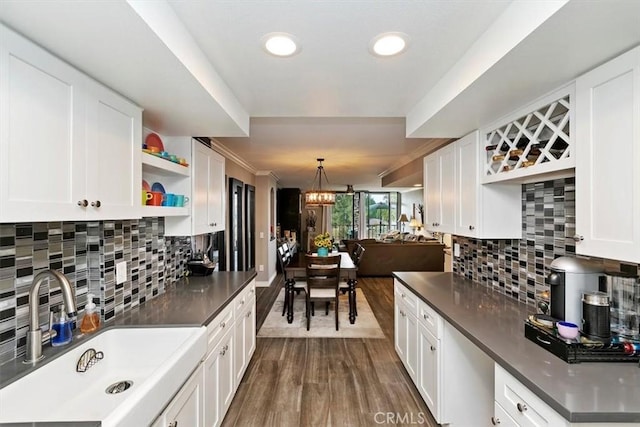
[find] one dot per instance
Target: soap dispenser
(91, 320)
(61, 324)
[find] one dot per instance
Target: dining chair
(356, 255)
(323, 281)
(284, 258)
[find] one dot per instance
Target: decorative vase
(323, 251)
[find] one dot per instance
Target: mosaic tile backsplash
(518, 268)
(87, 253)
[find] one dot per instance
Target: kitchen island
(494, 323)
(193, 301)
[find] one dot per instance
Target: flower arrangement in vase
(323, 242)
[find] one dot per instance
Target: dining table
(297, 268)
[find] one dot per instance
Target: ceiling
(197, 68)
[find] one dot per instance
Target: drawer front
(430, 319)
(501, 418)
(244, 298)
(408, 298)
(218, 326)
(522, 405)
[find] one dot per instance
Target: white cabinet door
(432, 191)
(447, 189)
(400, 330)
(42, 134)
(489, 211)
(439, 185)
(217, 193)
(467, 185)
(245, 339)
(607, 159)
(200, 176)
(429, 369)
(226, 379)
(186, 408)
(114, 133)
(216, 382)
(405, 340)
(208, 190)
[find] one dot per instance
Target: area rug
(322, 325)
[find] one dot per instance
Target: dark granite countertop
(192, 301)
(583, 392)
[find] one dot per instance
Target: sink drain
(119, 387)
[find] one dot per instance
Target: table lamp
(403, 219)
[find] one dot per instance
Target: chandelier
(318, 196)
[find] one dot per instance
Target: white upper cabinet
(207, 195)
(62, 136)
(114, 133)
(439, 183)
(608, 160)
(491, 211)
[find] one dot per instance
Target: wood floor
(328, 382)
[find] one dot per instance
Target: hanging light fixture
(318, 196)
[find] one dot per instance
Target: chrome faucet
(34, 335)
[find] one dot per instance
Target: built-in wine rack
(535, 142)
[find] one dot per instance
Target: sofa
(381, 258)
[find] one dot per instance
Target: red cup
(156, 198)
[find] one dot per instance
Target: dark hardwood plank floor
(328, 382)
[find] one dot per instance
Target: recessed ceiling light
(388, 44)
(417, 185)
(280, 44)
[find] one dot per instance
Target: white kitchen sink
(156, 360)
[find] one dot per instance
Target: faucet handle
(51, 333)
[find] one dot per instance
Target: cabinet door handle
(222, 324)
(426, 316)
(471, 227)
(96, 204)
(249, 314)
(578, 238)
(495, 421)
(433, 348)
(213, 224)
(173, 424)
(521, 407)
(83, 203)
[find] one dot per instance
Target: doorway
(250, 227)
(236, 235)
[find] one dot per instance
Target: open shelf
(158, 165)
(151, 211)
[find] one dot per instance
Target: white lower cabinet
(454, 377)
(406, 329)
(245, 336)
(218, 380)
(523, 406)
(206, 396)
(501, 418)
(429, 381)
(232, 342)
(186, 408)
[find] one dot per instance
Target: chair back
(358, 253)
(284, 256)
(323, 272)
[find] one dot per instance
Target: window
(375, 213)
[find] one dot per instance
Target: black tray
(576, 352)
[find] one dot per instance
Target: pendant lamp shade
(317, 196)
